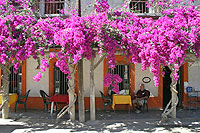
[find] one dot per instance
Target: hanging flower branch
(112, 80)
(153, 43)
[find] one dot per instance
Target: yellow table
(121, 99)
(12, 98)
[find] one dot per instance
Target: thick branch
(72, 98)
(174, 99)
(100, 60)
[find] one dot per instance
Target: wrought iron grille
(60, 85)
(50, 6)
(124, 72)
(15, 81)
(139, 6)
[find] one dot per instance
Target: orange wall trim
(37, 103)
(122, 60)
(24, 78)
(153, 102)
(184, 76)
(51, 64)
(32, 103)
(99, 104)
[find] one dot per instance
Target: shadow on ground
(107, 121)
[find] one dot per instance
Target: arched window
(138, 6)
(15, 81)
(60, 85)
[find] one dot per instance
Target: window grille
(15, 81)
(139, 6)
(50, 6)
(53, 6)
(124, 72)
(60, 85)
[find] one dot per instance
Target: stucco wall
(194, 75)
(115, 3)
(98, 77)
(87, 10)
(43, 84)
(139, 74)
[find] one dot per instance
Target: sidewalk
(107, 121)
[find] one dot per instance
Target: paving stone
(107, 121)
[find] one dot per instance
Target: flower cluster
(143, 40)
(44, 65)
(112, 80)
(101, 6)
(19, 37)
(7, 6)
(153, 43)
(52, 55)
(168, 4)
(37, 77)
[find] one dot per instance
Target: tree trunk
(92, 91)
(81, 105)
(5, 89)
(72, 109)
(174, 97)
(71, 94)
(174, 92)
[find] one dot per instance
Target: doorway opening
(166, 86)
(60, 81)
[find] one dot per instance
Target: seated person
(140, 96)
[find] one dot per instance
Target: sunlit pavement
(107, 121)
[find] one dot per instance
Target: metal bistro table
(58, 99)
(121, 99)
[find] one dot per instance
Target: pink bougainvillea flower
(37, 77)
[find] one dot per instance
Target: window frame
(141, 3)
(41, 7)
(122, 84)
(61, 85)
(15, 86)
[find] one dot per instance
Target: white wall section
(194, 75)
(35, 87)
(98, 77)
(139, 75)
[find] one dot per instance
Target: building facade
(55, 82)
